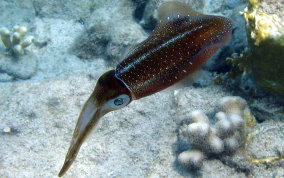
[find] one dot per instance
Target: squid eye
(119, 102)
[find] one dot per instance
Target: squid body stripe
(140, 59)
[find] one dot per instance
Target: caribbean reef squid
(180, 43)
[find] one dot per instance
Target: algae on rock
(265, 59)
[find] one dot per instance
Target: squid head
(109, 94)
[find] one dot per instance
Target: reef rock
(111, 35)
(20, 67)
(263, 61)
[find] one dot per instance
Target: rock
(60, 9)
(16, 12)
(124, 37)
(147, 17)
(111, 35)
(215, 168)
(5, 77)
(7, 129)
(263, 61)
(266, 142)
(22, 67)
(91, 43)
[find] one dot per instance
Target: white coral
(198, 116)
(232, 105)
(14, 41)
(226, 135)
(191, 158)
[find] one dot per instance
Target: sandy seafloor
(38, 114)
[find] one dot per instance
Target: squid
(181, 42)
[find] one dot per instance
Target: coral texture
(15, 41)
(226, 135)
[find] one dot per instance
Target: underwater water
(53, 53)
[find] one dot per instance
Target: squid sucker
(181, 42)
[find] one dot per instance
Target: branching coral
(226, 135)
(15, 41)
